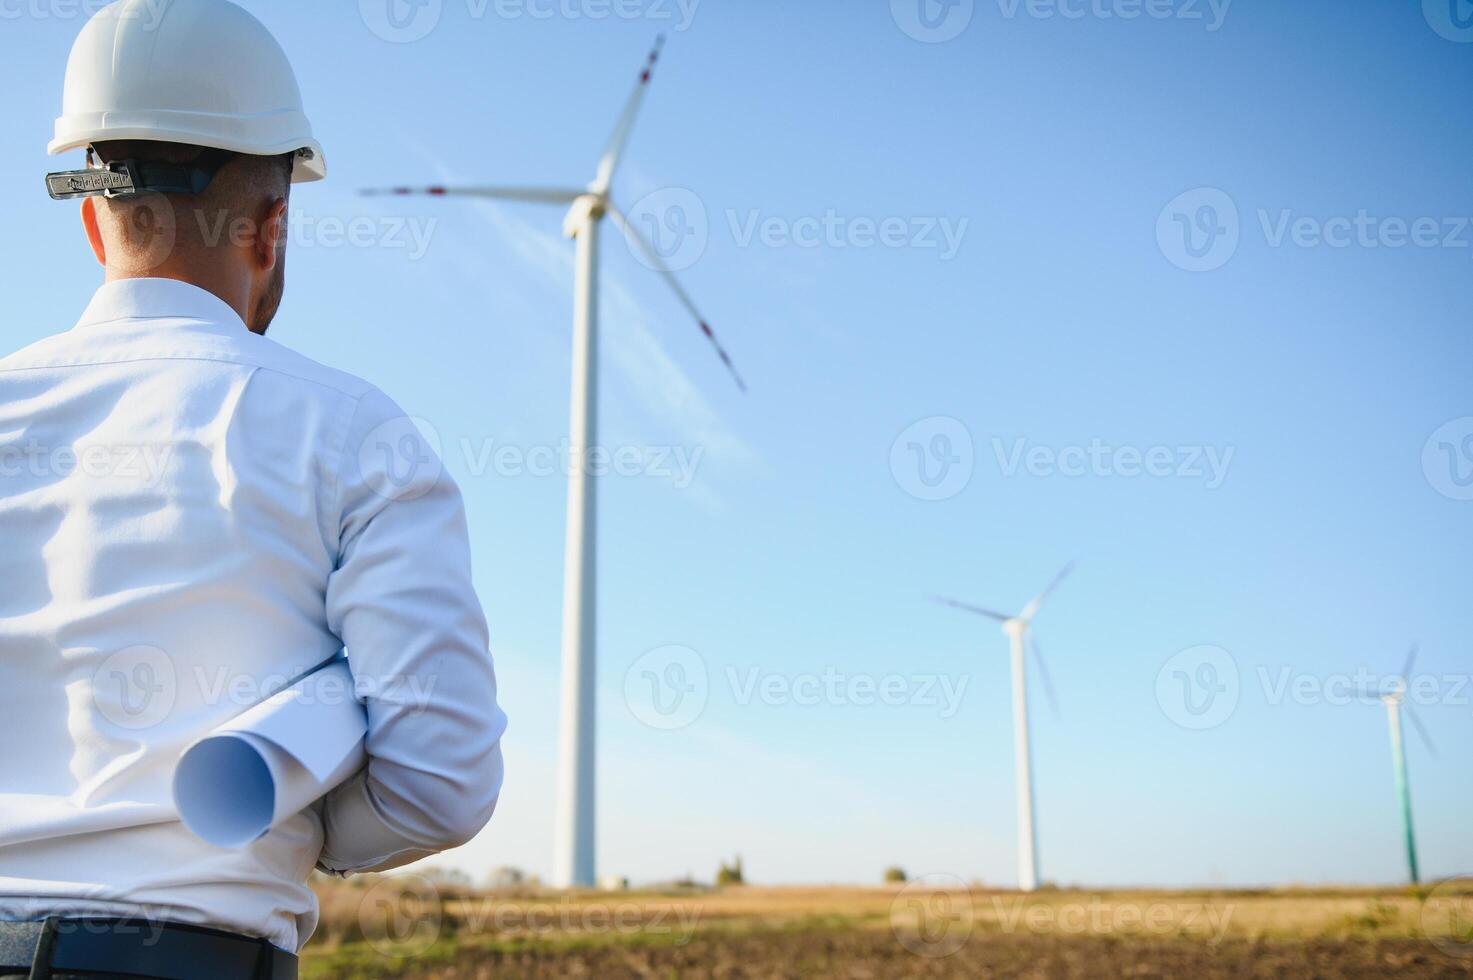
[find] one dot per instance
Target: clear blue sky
(1060, 320)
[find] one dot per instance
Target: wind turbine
(574, 823)
(1393, 695)
(1019, 631)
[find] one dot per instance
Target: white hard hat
(203, 72)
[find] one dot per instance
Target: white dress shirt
(191, 515)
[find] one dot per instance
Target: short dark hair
(154, 151)
(139, 226)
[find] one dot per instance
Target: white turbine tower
(1393, 695)
(574, 825)
(1019, 631)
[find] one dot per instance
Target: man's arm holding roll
(402, 602)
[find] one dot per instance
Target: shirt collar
(158, 299)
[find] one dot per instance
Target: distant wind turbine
(574, 825)
(1019, 631)
(1393, 695)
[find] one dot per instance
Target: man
(192, 515)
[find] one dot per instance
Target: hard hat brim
(195, 129)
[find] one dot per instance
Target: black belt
(138, 947)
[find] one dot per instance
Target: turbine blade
(1421, 729)
(540, 195)
(614, 151)
(653, 257)
(1048, 681)
(1031, 610)
(967, 607)
(1406, 669)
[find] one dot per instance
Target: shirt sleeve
(402, 602)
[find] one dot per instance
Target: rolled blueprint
(274, 760)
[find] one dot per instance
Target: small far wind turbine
(1393, 695)
(574, 824)
(1019, 631)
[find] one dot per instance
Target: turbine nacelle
(592, 205)
(1019, 627)
(1394, 692)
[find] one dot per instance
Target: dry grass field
(408, 928)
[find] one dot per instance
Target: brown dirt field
(882, 933)
(868, 956)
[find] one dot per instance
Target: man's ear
(94, 232)
(271, 242)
